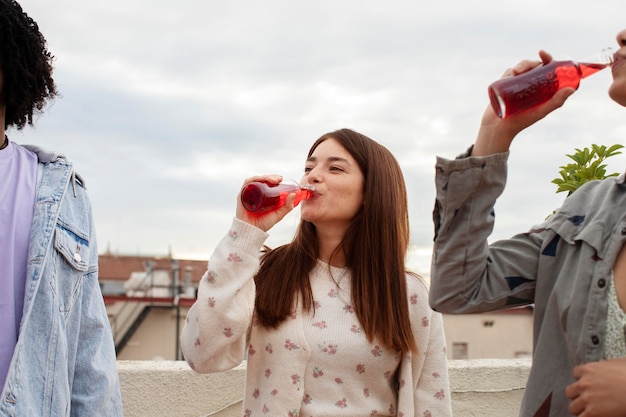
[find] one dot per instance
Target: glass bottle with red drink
(512, 95)
(259, 197)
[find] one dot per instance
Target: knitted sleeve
(429, 366)
(213, 338)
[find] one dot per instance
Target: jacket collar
(44, 156)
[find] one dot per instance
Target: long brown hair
(375, 247)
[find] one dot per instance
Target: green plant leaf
(588, 165)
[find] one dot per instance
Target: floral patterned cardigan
(314, 364)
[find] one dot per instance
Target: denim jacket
(64, 362)
(562, 266)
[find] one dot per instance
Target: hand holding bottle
(512, 95)
(496, 133)
(259, 197)
(264, 200)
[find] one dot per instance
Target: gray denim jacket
(562, 266)
(64, 362)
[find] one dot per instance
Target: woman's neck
(329, 240)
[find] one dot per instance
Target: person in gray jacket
(572, 267)
(56, 349)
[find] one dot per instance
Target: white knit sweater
(315, 364)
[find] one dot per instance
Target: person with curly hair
(56, 349)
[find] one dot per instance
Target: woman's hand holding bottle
(264, 220)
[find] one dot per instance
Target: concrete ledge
(480, 387)
(487, 387)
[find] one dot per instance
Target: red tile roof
(119, 267)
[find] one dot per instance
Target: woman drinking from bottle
(331, 323)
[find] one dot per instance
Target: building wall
(157, 336)
(501, 335)
(489, 335)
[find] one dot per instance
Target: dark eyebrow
(330, 159)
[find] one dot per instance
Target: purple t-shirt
(18, 177)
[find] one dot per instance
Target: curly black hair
(26, 66)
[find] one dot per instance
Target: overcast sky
(167, 106)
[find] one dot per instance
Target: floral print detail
(387, 374)
(343, 403)
(289, 345)
(332, 293)
(355, 329)
(317, 372)
(328, 348)
(392, 409)
(251, 350)
(268, 373)
(233, 235)
(317, 304)
(256, 393)
(233, 257)
(427, 413)
(293, 413)
(211, 276)
(268, 348)
(338, 381)
(348, 308)
(211, 302)
(413, 299)
(440, 395)
(274, 392)
(295, 378)
(366, 392)
(360, 368)
(247, 413)
(377, 351)
(425, 321)
(436, 375)
(265, 409)
(197, 342)
(307, 399)
(228, 332)
(320, 324)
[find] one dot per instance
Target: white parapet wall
(480, 388)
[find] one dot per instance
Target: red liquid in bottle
(512, 95)
(259, 197)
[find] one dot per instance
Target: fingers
(271, 179)
(241, 213)
(578, 371)
(577, 406)
(555, 102)
(572, 391)
(528, 64)
(545, 57)
(267, 219)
